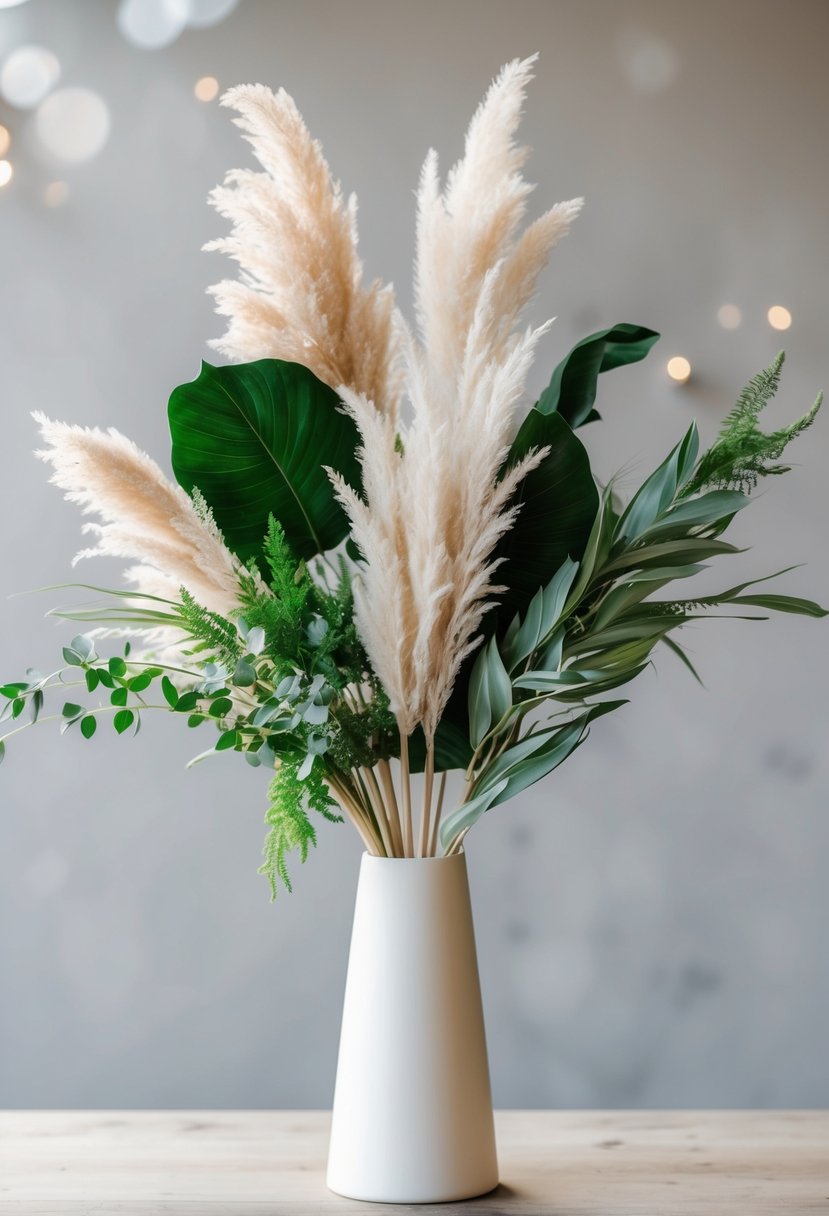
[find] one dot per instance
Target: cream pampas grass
(300, 296)
(433, 508)
(144, 516)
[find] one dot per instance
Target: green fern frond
(290, 797)
(743, 453)
(284, 614)
(210, 631)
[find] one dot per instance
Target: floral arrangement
(375, 560)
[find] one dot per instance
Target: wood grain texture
(253, 1163)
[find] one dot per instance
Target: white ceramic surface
(412, 1119)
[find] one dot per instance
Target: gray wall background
(651, 922)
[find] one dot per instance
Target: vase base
(426, 1195)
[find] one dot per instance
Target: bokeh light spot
(202, 13)
(73, 124)
(28, 75)
(206, 88)
(55, 194)
(152, 24)
(679, 369)
(779, 317)
(730, 317)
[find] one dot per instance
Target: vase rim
(460, 855)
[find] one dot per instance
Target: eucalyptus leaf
(244, 675)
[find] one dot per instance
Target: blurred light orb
(73, 124)
(5, 140)
(28, 74)
(679, 369)
(730, 317)
(202, 13)
(55, 194)
(152, 24)
(6, 172)
(649, 62)
(206, 88)
(779, 317)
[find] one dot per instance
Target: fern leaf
(209, 631)
(743, 453)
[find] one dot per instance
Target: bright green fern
(291, 797)
(743, 453)
(210, 631)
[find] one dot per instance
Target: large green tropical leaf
(558, 501)
(254, 438)
(572, 389)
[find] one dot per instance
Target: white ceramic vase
(412, 1119)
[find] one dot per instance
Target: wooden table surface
(271, 1163)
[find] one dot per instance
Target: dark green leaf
(244, 675)
(119, 696)
(104, 677)
(254, 438)
(657, 493)
(558, 504)
(169, 692)
(140, 682)
(71, 710)
(123, 720)
(92, 679)
(18, 705)
(13, 690)
(782, 603)
(682, 655)
(117, 667)
(572, 389)
(187, 702)
(220, 707)
(88, 726)
(229, 739)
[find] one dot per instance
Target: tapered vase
(412, 1119)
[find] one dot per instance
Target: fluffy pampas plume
(433, 508)
(144, 516)
(300, 295)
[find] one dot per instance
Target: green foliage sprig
(287, 684)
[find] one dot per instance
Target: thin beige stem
(386, 777)
(428, 785)
(406, 791)
(433, 843)
(381, 808)
(378, 806)
(379, 813)
(353, 814)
